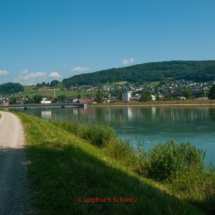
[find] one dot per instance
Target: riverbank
(157, 103)
(64, 167)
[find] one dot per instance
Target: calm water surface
(195, 124)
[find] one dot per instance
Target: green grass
(152, 84)
(29, 88)
(64, 167)
(179, 168)
(57, 93)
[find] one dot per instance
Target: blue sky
(44, 40)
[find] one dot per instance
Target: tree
(62, 97)
(157, 97)
(120, 95)
(30, 101)
(13, 102)
(211, 94)
(191, 98)
(79, 96)
(54, 83)
(99, 96)
(37, 98)
(167, 98)
(146, 96)
(187, 93)
(55, 100)
(10, 88)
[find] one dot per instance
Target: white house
(127, 95)
(46, 101)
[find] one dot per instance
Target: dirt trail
(14, 195)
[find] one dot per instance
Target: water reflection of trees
(211, 112)
(152, 114)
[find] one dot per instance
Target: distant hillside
(10, 88)
(147, 72)
(206, 74)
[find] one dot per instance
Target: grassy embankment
(178, 168)
(64, 166)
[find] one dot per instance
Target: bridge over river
(62, 105)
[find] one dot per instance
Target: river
(195, 124)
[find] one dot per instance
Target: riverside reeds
(178, 167)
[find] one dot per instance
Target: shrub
(169, 159)
(191, 98)
(96, 134)
(167, 98)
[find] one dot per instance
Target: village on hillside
(120, 93)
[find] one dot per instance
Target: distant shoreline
(158, 103)
(149, 105)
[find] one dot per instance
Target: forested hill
(10, 88)
(147, 72)
(206, 74)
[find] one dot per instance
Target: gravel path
(14, 195)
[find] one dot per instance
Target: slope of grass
(64, 167)
(57, 93)
(29, 88)
(178, 168)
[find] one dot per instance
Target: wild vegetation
(179, 168)
(64, 167)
